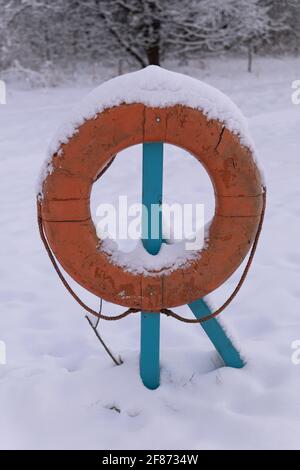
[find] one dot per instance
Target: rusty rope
(217, 312)
(65, 282)
(164, 311)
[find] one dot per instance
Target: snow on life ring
(65, 205)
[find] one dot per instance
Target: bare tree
(256, 27)
(134, 27)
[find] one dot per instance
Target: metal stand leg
(152, 240)
(150, 323)
(217, 335)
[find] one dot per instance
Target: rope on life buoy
(164, 311)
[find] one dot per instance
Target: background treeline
(36, 34)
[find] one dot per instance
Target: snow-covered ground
(60, 390)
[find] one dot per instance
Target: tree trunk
(153, 55)
(152, 34)
(250, 58)
(120, 67)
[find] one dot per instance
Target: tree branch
(94, 328)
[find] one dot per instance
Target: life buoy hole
(188, 197)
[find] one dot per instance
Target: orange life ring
(65, 206)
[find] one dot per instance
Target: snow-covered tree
(137, 27)
(223, 25)
(39, 32)
(256, 27)
(9, 10)
(148, 29)
(286, 13)
(24, 25)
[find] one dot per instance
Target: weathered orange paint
(66, 204)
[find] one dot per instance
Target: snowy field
(59, 389)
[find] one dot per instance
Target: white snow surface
(173, 254)
(157, 87)
(170, 257)
(59, 389)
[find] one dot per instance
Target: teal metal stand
(152, 239)
(217, 335)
